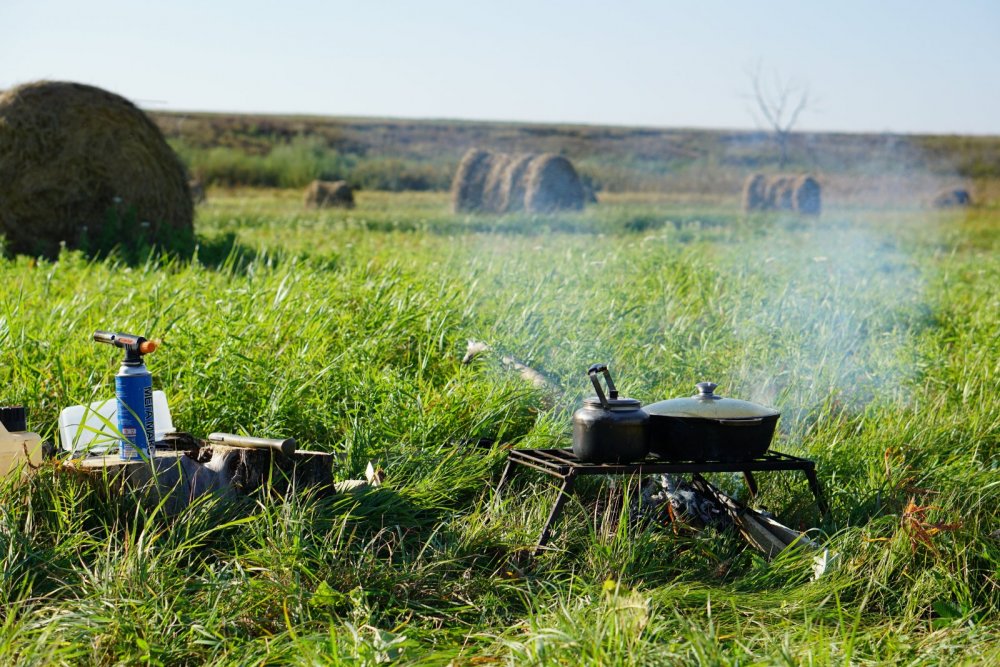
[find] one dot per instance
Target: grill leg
(751, 483)
(564, 491)
(816, 491)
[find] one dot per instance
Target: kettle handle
(612, 390)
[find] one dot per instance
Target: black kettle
(609, 429)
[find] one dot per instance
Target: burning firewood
(667, 499)
(697, 503)
(761, 532)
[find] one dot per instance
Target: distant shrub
(624, 175)
(305, 159)
(288, 165)
(396, 175)
(979, 167)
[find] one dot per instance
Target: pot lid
(707, 405)
(615, 404)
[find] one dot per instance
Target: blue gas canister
(134, 392)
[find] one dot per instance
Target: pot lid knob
(705, 390)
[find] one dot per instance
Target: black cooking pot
(706, 427)
(609, 429)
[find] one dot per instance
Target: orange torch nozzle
(147, 346)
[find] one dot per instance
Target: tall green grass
(874, 334)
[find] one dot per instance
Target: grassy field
(873, 329)
(407, 155)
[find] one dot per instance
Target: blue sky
(869, 66)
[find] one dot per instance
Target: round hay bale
(514, 181)
(500, 183)
(329, 194)
(952, 198)
(755, 193)
(80, 165)
(552, 184)
(806, 195)
(494, 197)
(780, 191)
(470, 180)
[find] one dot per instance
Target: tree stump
(177, 477)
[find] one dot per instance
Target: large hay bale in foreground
(953, 198)
(488, 182)
(86, 167)
(755, 193)
(806, 195)
(329, 194)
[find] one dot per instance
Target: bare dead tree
(777, 105)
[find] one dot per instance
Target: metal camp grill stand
(561, 463)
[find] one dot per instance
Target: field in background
(289, 151)
(873, 330)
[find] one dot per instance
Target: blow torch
(134, 392)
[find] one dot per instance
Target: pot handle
(612, 390)
(741, 422)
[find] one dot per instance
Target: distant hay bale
(806, 195)
(495, 198)
(782, 192)
(470, 180)
(329, 194)
(514, 183)
(488, 182)
(552, 184)
(76, 161)
(755, 193)
(779, 193)
(952, 198)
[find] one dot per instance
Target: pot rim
(716, 420)
(708, 405)
(614, 404)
